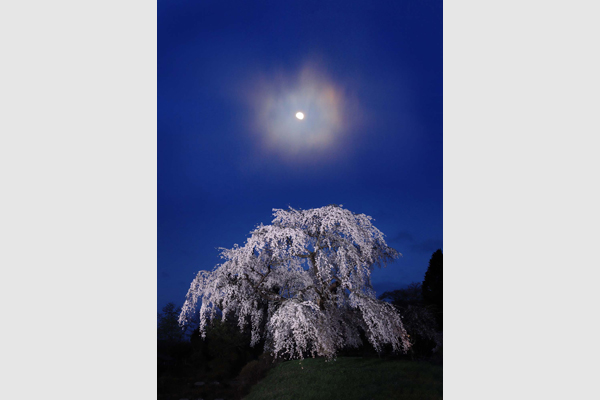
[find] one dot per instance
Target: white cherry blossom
(303, 284)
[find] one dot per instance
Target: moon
(299, 115)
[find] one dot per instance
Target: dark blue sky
(229, 76)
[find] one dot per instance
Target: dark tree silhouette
(168, 324)
(418, 318)
(410, 295)
(433, 294)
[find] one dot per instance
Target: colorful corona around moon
(327, 112)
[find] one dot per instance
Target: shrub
(253, 372)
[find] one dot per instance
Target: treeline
(421, 306)
(224, 363)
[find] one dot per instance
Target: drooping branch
(301, 310)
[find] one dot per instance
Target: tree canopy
(303, 285)
(168, 326)
(433, 285)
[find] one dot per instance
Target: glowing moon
(299, 115)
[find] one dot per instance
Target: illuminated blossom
(303, 284)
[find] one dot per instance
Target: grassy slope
(350, 378)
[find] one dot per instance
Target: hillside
(350, 378)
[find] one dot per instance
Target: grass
(350, 378)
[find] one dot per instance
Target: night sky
(232, 75)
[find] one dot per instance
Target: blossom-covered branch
(303, 284)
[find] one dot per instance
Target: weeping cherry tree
(303, 285)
